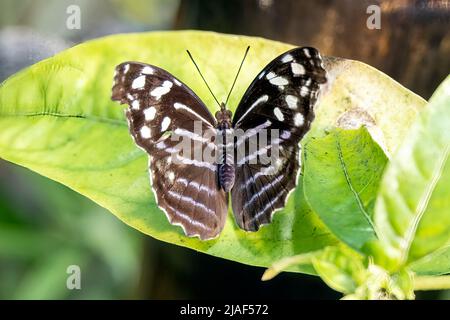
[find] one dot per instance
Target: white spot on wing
(178, 83)
(126, 68)
(287, 58)
(297, 68)
(138, 83)
(135, 104)
(291, 101)
(298, 119)
(306, 52)
(278, 163)
(270, 75)
(150, 113)
(171, 176)
(279, 81)
(285, 135)
(147, 70)
(278, 114)
(304, 91)
(145, 132)
(162, 90)
(165, 123)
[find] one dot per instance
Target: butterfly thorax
(225, 148)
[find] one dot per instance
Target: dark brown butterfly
(194, 193)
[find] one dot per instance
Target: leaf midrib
(350, 185)
(116, 122)
(423, 204)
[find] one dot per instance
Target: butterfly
(194, 193)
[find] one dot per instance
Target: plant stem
(431, 283)
(285, 263)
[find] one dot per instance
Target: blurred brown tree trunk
(412, 46)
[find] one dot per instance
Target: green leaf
(341, 268)
(57, 119)
(379, 284)
(412, 208)
(342, 171)
(351, 273)
(359, 95)
(436, 263)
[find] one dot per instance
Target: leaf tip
(269, 274)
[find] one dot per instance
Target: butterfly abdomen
(226, 176)
(225, 146)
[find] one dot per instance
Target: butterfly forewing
(282, 97)
(162, 112)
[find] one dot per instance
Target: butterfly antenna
(201, 75)
(237, 74)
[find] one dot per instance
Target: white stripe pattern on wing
(253, 131)
(190, 201)
(263, 190)
(181, 106)
(258, 152)
(162, 146)
(185, 217)
(194, 162)
(196, 185)
(194, 136)
(260, 100)
(268, 205)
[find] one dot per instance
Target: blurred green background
(45, 227)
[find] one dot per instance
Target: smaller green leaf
(337, 265)
(435, 263)
(412, 208)
(341, 175)
(351, 273)
(341, 268)
(402, 285)
(379, 284)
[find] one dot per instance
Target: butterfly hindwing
(160, 106)
(281, 97)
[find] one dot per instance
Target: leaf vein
(423, 203)
(60, 115)
(349, 183)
